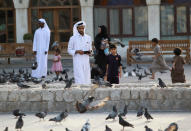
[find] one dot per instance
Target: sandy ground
(97, 120)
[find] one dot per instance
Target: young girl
(177, 73)
(114, 66)
(57, 65)
(158, 64)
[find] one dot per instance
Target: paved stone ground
(97, 121)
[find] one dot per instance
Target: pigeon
(22, 85)
(86, 126)
(68, 129)
(6, 129)
(147, 73)
(17, 113)
(19, 123)
(60, 117)
(65, 71)
(136, 51)
(161, 83)
(124, 123)
(21, 71)
(83, 106)
(140, 112)
(124, 113)
(107, 128)
(118, 42)
(69, 83)
(44, 86)
(147, 115)
(2, 79)
(140, 77)
(55, 44)
(113, 114)
(148, 129)
(139, 67)
(41, 115)
(172, 127)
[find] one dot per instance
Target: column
(87, 15)
(21, 7)
(154, 18)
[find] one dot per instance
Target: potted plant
(28, 38)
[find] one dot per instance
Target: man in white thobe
(80, 46)
(40, 47)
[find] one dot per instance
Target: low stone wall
(56, 98)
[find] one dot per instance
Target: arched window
(60, 16)
(7, 21)
(175, 18)
(124, 18)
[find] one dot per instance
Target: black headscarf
(100, 36)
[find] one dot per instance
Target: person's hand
(105, 78)
(45, 52)
(120, 74)
(79, 52)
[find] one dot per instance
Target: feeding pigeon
(68, 129)
(41, 115)
(172, 127)
(69, 83)
(147, 115)
(161, 83)
(19, 123)
(6, 129)
(60, 117)
(148, 129)
(22, 85)
(17, 113)
(86, 126)
(124, 123)
(113, 114)
(107, 128)
(140, 112)
(124, 111)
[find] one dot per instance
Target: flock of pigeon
(86, 127)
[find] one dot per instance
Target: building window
(7, 21)
(60, 16)
(175, 17)
(123, 18)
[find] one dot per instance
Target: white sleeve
(35, 42)
(71, 49)
(90, 43)
(47, 42)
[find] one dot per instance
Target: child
(159, 63)
(113, 67)
(57, 65)
(177, 73)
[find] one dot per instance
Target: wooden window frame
(120, 8)
(14, 23)
(55, 9)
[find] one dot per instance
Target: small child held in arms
(57, 65)
(114, 66)
(177, 73)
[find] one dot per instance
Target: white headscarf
(75, 30)
(45, 24)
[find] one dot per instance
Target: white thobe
(81, 63)
(40, 45)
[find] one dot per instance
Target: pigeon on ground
(136, 51)
(41, 115)
(124, 113)
(86, 126)
(147, 73)
(148, 129)
(140, 77)
(6, 129)
(139, 67)
(60, 117)
(140, 112)
(17, 113)
(147, 115)
(172, 127)
(83, 106)
(68, 129)
(124, 123)
(22, 85)
(113, 114)
(2, 79)
(44, 86)
(69, 83)
(107, 128)
(161, 83)
(19, 123)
